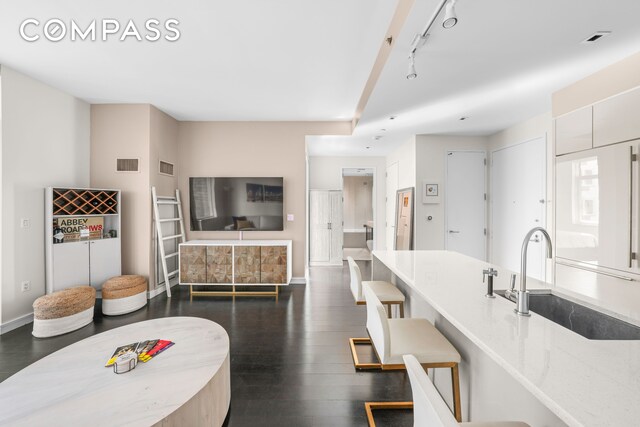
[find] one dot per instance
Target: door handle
(328, 226)
(454, 231)
(536, 239)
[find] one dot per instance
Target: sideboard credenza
(235, 263)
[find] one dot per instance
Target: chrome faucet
(522, 300)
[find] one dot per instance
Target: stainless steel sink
(582, 320)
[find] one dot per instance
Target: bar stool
(428, 407)
(393, 338)
(386, 292)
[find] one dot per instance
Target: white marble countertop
(246, 242)
(72, 387)
(584, 382)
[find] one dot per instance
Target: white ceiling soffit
(498, 66)
(357, 172)
(235, 60)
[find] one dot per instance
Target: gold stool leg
(402, 310)
(372, 406)
(356, 361)
(455, 382)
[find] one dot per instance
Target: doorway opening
(358, 213)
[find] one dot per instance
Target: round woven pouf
(123, 294)
(63, 311)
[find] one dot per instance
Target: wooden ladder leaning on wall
(162, 239)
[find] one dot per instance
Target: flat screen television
(236, 204)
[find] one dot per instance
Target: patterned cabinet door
(273, 264)
(193, 267)
(247, 264)
(219, 264)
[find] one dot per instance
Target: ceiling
(235, 60)
(310, 60)
(498, 66)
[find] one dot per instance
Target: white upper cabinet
(617, 119)
(574, 131)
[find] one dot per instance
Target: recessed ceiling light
(463, 118)
(377, 137)
(595, 37)
(392, 117)
(383, 130)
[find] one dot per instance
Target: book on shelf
(77, 228)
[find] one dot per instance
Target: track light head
(450, 19)
(411, 73)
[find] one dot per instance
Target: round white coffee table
(187, 385)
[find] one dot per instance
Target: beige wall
(45, 142)
(431, 165)
(134, 131)
(163, 145)
(253, 149)
(612, 80)
(122, 131)
(358, 202)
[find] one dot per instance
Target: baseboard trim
(160, 289)
(298, 281)
(16, 323)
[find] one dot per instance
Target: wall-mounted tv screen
(236, 204)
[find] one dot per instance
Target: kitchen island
(524, 368)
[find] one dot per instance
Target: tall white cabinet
(83, 245)
(325, 227)
(597, 227)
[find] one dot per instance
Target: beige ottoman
(123, 294)
(63, 311)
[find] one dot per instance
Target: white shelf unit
(89, 261)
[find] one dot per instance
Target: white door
(104, 261)
(518, 204)
(391, 189)
(336, 227)
(465, 203)
(70, 265)
(320, 234)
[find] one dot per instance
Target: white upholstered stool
(123, 294)
(393, 338)
(386, 292)
(428, 407)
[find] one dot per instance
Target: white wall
(405, 156)
(45, 142)
(431, 166)
(325, 173)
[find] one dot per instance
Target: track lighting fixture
(450, 18)
(411, 74)
(449, 21)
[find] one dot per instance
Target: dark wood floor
(290, 359)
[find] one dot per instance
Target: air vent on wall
(127, 165)
(596, 36)
(166, 168)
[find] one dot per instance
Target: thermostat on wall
(289, 217)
